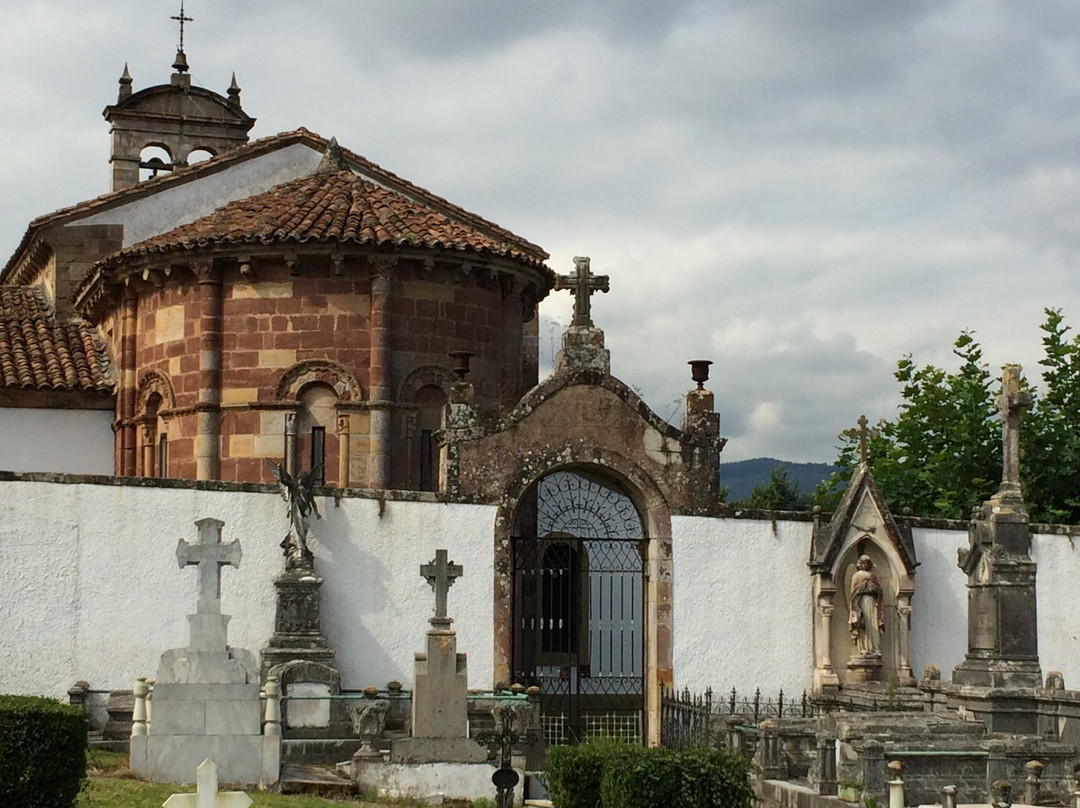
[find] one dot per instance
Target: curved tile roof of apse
(40, 353)
(334, 205)
(252, 150)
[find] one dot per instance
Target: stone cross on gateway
(210, 555)
(207, 794)
(582, 284)
(1010, 404)
(441, 574)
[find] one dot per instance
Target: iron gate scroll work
(579, 607)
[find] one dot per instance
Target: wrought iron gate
(579, 608)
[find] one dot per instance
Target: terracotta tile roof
(332, 205)
(40, 353)
(10, 272)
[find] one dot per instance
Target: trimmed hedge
(606, 775)
(696, 778)
(42, 752)
(573, 773)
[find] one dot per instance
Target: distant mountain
(741, 476)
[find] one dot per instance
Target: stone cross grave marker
(207, 794)
(1010, 404)
(441, 574)
(582, 284)
(210, 555)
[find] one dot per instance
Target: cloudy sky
(800, 191)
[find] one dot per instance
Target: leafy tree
(780, 494)
(941, 456)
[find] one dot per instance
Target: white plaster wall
(741, 605)
(185, 202)
(63, 441)
(92, 589)
(1058, 605)
(939, 605)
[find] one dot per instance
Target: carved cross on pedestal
(582, 284)
(1010, 404)
(441, 574)
(210, 555)
(862, 433)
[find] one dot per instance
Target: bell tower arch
(176, 117)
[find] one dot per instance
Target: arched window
(314, 422)
(430, 402)
(153, 404)
(198, 155)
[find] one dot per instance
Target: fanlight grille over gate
(579, 550)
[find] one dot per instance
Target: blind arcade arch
(579, 552)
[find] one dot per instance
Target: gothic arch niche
(862, 526)
(579, 555)
(844, 649)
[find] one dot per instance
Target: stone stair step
(299, 779)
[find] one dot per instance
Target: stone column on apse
(208, 437)
(379, 371)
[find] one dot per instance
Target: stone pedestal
(1003, 650)
(583, 349)
(299, 656)
(206, 701)
(865, 668)
(439, 709)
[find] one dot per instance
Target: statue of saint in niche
(866, 616)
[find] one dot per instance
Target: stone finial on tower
(125, 84)
(234, 92)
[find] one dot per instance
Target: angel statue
(299, 492)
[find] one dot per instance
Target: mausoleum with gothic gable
(285, 298)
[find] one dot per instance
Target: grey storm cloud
(801, 192)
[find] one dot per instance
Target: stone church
(288, 300)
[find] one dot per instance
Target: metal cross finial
(440, 574)
(209, 555)
(182, 18)
(582, 284)
(862, 433)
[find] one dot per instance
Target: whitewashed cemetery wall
(742, 606)
(92, 590)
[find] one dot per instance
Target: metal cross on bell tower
(181, 64)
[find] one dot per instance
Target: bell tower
(175, 117)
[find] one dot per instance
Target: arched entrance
(579, 550)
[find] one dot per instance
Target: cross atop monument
(582, 284)
(182, 18)
(863, 434)
(440, 575)
(210, 555)
(1010, 404)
